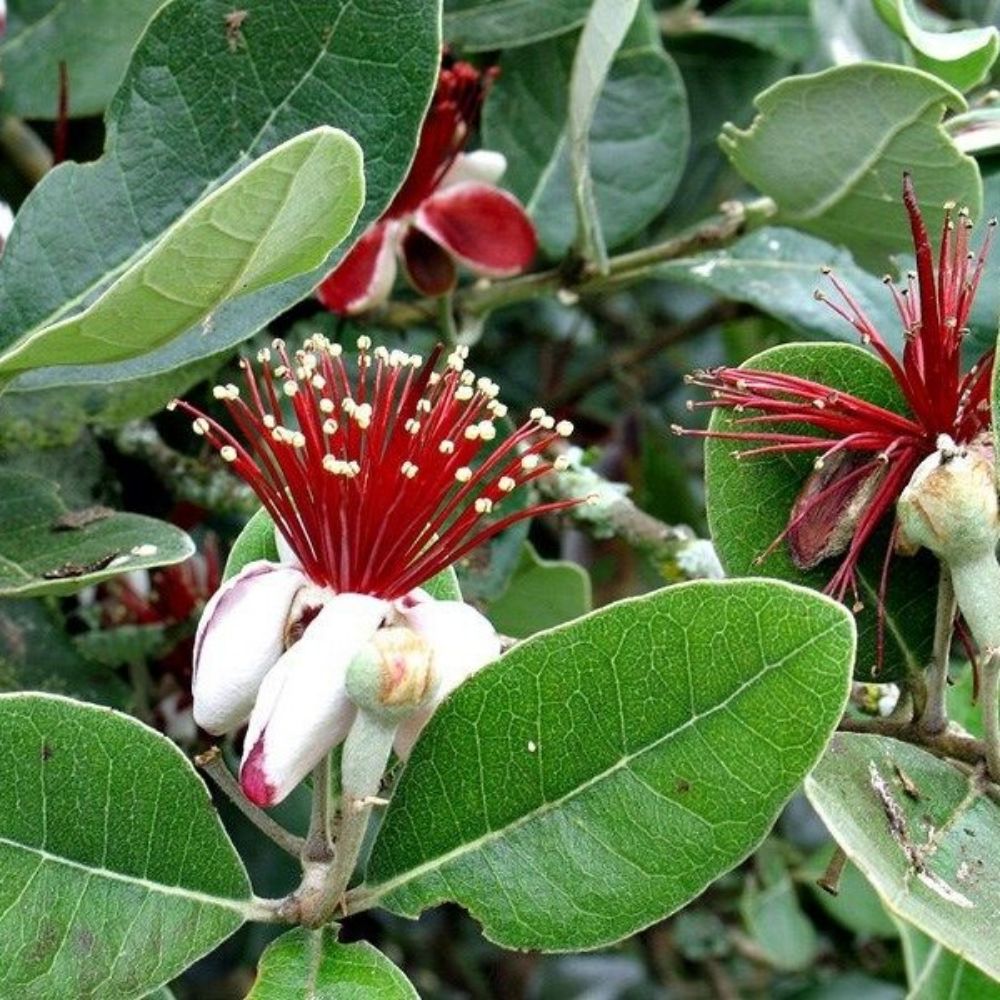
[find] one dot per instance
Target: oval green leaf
(642, 105)
(926, 836)
(749, 502)
(292, 65)
(47, 549)
(276, 219)
(93, 37)
(831, 148)
(117, 873)
(314, 965)
(934, 972)
(482, 25)
(601, 775)
(960, 58)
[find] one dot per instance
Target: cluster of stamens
(866, 453)
(384, 477)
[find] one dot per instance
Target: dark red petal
(484, 227)
(826, 511)
(429, 267)
(365, 276)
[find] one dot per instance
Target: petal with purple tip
(303, 708)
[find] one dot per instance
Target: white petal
(240, 637)
(6, 215)
(483, 165)
(463, 641)
(286, 554)
(303, 708)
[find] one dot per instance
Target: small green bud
(950, 504)
(393, 675)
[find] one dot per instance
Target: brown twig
(625, 269)
(947, 744)
(214, 766)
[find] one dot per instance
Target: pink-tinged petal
(303, 708)
(3, 17)
(364, 278)
(485, 228)
(240, 637)
(463, 642)
(483, 165)
(429, 267)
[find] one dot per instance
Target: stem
(24, 149)
(446, 319)
(365, 755)
(990, 707)
(948, 744)
(623, 270)
(317, 847)
(829, 881)
(934, 718)
(977, 590)
(214, 766)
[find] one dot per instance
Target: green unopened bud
(393, 675)
(950, 504)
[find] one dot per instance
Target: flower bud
(393, 674)
(950, 504)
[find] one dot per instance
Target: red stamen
(376, 487)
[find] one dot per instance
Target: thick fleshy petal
(364, 278)
(429, 267)
(484, 165)
(483, 227)
(463, 642)
(303, 708)
(240, 637)
(6, 216)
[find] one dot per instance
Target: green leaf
(932, 863)
(960, 58)
(293, 65)
(46, 549)
(93, 37)
(256, 541)
(856, 905)
(276, 219)
(977, 131)
(541, 594)
(642, 107)
(313, 965)
(749, 502)
(600, 775)
(783, 27)
(837, 174)
(772, 914)
(113, 646)
(602, 36)
(850, 31)
(117, 872)
(934, 972)
(481, 25)
(778, 270)
(37, 655)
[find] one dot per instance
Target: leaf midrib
(202, 898)
(379, 890)
(110, 276)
